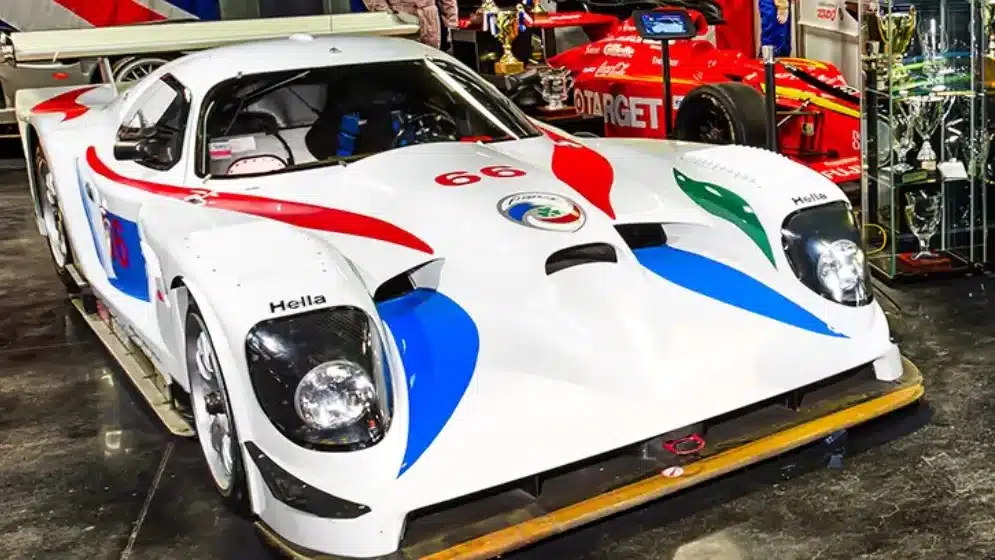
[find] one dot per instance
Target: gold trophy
(987, 14)
(504, 26)
(896, 30)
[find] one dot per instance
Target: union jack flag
(29, 15)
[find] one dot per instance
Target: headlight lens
(322, 378)
(334, 395)
(841, 270)
(823, 245)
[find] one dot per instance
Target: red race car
(717, 94)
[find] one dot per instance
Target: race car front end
(515, 401)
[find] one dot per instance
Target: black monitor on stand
(665, 25)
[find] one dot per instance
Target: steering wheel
(425, 128)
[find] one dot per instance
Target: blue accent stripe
(127, 258)
(203, 9)
(439, 343)
(4, 26)
(721, 282)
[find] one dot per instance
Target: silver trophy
(976, 146)
(933, 61)
(902, 135)
(554, 86)
(927, 112)
(922, 213)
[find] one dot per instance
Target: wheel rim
(714, 129)
(212, 414)
(138, 69)
(52, 216)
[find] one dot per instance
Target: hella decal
(293, 304)
(809, 198)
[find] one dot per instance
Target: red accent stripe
(584, 170)
(104, 13)
(66, 103)
(298, 214)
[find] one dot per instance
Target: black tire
(236, 495)
(725, 113)
(42, 173)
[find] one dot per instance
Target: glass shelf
(925, 135)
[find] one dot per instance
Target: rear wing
(102, 42)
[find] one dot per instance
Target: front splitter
(908, 390)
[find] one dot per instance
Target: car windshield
(270, 123)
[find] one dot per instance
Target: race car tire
(134, 68)
(59, 247)
(724, 113)
(213, 421)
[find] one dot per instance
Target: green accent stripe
(727, 205)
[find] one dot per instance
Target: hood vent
(425, 275)
(580, 254)
(639, 236)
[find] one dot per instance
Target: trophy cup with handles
(922, 213)
(505, 25)
(554, 86)
(896, 30)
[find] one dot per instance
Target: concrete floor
(86, 473)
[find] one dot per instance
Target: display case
(925, 135)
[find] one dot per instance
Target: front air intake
(580, 254)
(640, 236)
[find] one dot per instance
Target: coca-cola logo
(620, 51)
(607, 69)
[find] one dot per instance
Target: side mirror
(131, 150)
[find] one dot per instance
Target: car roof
(202, 70)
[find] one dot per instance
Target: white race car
(405, 320)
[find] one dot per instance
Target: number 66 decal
(464, 178)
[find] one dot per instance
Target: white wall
(830, 34)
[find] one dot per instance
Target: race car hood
(515, 361)
(445, 202)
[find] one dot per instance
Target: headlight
(322, 378)
(823, 245)
(334, 395)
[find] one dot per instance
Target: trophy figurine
(555, 84)
(896, 30)
(505, 25)
(922, 213)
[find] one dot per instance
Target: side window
(157, 122)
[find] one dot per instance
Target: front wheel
(213, 420)
(725, 113)
(59, 246)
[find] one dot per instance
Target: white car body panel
(562, 359)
